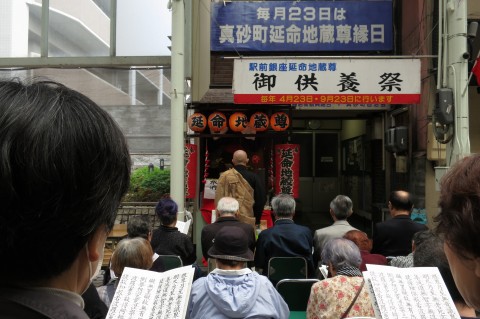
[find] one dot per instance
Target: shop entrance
(319, 175)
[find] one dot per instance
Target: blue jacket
(235, 294)
(284, 239)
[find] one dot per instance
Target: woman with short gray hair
(342, 257)
(343, 294)
(130, 252)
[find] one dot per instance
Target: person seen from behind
(64, 168)
(227, 212)
(130, 252)
(431, 254)
(232, 290)
(285, 238)
(363, 243)
(343, 259)
(167, 239)
(407, 261)
(459, 225)
(341, 207)
(137, 226)
(393, 237)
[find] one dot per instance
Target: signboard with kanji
(302, 26)
(326, 81)
(287, 169)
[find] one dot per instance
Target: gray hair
(139, 226)
(430, 253)
(132, 252)
(341, 252)
(283, 205)
(227, 206)
(341, 206)
(421, 236)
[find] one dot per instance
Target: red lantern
(197, 122)
(259, 121)
(238, 122)
(279, 121)
(217, 121)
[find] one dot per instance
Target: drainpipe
(457, 77)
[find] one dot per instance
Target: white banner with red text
(326, 81)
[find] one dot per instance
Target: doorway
(319, 176)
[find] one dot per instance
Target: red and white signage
(326, 81)
(191, 155)
(287, 169)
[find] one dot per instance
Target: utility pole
(457, 76)
(177, 142)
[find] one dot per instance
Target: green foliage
(147, 185)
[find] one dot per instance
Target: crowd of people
(60, 156)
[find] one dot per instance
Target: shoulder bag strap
(354, 299)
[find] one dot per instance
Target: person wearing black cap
(232, 290)
(227, 212)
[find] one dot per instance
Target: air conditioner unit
(396, 139)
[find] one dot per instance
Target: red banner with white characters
(191, 155)
(287, 169)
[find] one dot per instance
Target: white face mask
(99, 266)
(91, 274)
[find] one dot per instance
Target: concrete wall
(13, 28)
(146, 127)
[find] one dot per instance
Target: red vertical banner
(287, 169)
(191, 154)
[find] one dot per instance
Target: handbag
(353, 301)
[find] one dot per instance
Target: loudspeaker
(396, 139)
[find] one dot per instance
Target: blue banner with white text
(302, 26)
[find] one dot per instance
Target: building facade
(362, 152)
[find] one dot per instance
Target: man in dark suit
(227, 210)
(285, 238)
(394, 236)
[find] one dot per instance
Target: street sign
(281, 26)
